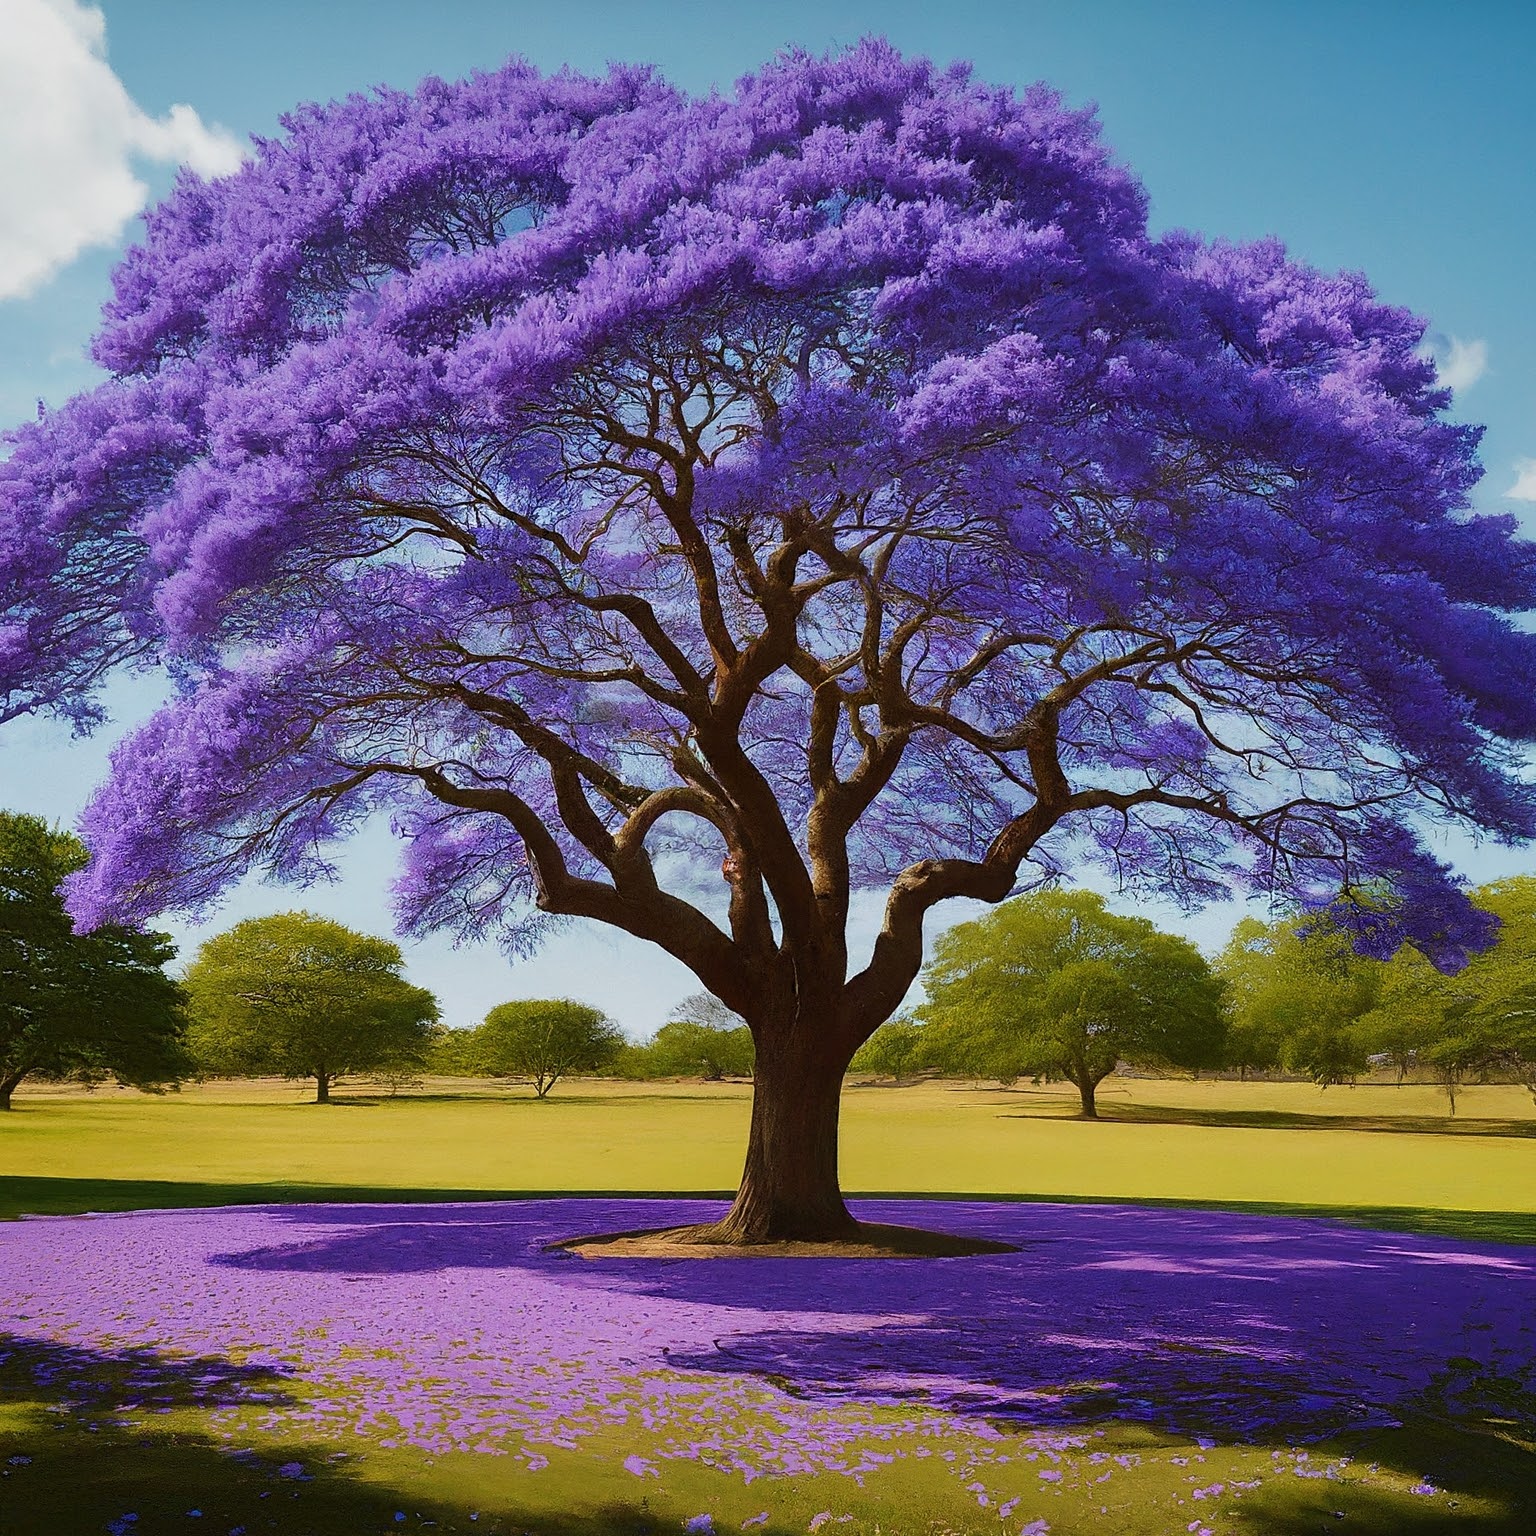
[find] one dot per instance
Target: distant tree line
(1051, 986)
(1303, 1001)
(541, 1040)
(1054, 987)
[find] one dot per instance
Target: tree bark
(8, 1087)
(1086, 1088)
(322, 1087)
(789, 1189)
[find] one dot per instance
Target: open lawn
(1373, 1149)
(350, 1368)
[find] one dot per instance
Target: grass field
(1372, 1150)
(1377, 1155)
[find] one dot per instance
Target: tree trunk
(322, 1087)
(789, 1188)
(1085, 1091)
(8, 1087)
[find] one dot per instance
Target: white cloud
(1524, 488)
(70, 135)
(1459, 363)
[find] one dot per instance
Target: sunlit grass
(1160, 1139)
(1378, 1154)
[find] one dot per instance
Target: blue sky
(1396, 137)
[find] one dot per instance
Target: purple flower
(1191, 480)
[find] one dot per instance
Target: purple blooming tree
(688, 513)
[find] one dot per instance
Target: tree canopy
(83, 1005)
(1477, 1022)
(1056, 986)
(831, 481)
(1297, 990)
(303, 996)
(894, 1050)
(542, 1039)
(686, 1047)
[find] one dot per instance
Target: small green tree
(687, 1048)
(77, 1005)
(1479, 1021)
(1502, 981)
(451, 1053)
(543, 1039)
(303, 996)
(1055, 986)
(1296, 991)
(894, 1050)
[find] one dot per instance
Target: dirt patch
(868, 1241)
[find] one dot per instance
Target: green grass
(1376, 1155)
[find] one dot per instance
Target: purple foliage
(454, 1326)
(562, 466)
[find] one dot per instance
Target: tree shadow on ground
(80, 1452)
(24, 1195)
(1196, 1322)
(1113, 1112)
(94, 1441)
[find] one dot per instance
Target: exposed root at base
(866, 1240)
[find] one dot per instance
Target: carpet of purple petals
(453, 1328)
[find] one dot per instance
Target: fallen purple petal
(472, 1335)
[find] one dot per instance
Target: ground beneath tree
(463, 1328)
(1192, 1319)
(868, 1240)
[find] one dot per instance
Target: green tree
(688, 1048)
(1503, 979)
(894, 1050)
(81, 1005)
(1476, 1022)
(303, 996)
(1296, 992)
(451, 1053)
(1055, 986)
(543, 1039)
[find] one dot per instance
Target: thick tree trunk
(322, 1088)
(8, 1087)
(789, 1189)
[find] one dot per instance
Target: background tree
(543, 1039)
(1477, 1022)
(1503, 979)
(77, 1005)
(1296, 992)
(832, 483)
(706, 1009)
(688, 1048)
(1055, 986)
(303, 996)
(894, 1050)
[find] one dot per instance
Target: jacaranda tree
(832, 485)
